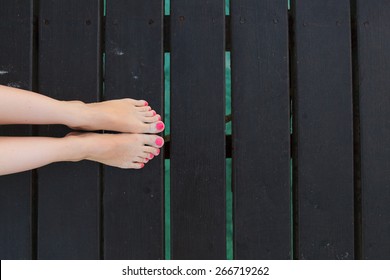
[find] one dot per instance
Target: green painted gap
(229, 194)
(228, 129)
(167, 167)
(167, 7)
(167, 95)
(104, 7)
(227, 9)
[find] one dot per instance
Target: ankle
(78, 114)
(81, 146)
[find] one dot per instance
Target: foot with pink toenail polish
(123, 150)
(122, 115)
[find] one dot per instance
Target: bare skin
(130, 149)
(125, 115)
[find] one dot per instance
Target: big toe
(156, 127)
(154, 141)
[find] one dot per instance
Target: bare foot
(122, 115)
(128, 151)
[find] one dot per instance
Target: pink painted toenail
(142, 165)
(146, 103)
(158, 152)
(151, 156)
(159, 118)
(160, 126)
(154, 113)
(159, 142)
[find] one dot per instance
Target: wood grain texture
(198, 129)
(69, 69)
(16, 66)
(261, 129)
(373, 38)
(133, 199)
(323, 116)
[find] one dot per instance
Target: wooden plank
(198, 129)
(373, 38)
(323, 118)
(16, 66)
(261, 129)
(69, 69)
(133, 199)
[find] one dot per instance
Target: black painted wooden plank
(197, 129)
(323, 116)
(16, 66)
(261, 129)
(133, 199)
(373, 37)
(167, 28)
(69, 69)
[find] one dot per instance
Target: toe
(151, 151)
(142, 160)
(151, 119)
(134, 165)
(144, 109)
(159, 142)
(154, 141)
(148, 113)
(137, 165)
(156, 127)
(141, 103)
(148, 156)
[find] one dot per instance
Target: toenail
(159, 142)
(159, 118)
(158, 152)
(160, 126)
(142, 165)
(151, 156)
(154, 113)
(146, 103)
